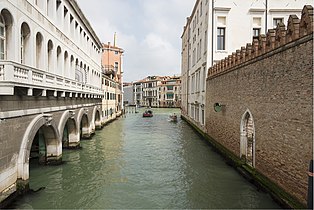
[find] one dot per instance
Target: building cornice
(190, 17)
(257, 10)
(224, 9)
(84, 20)
(286, 10)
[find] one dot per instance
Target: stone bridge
(44, 127)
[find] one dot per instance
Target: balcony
(108, 70)
(16, 75)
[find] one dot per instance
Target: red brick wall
(277, 88)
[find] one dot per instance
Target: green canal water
(142, 163)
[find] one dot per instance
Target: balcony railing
(17, 75)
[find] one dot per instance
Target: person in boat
(174, 116)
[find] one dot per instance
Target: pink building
(112, 70)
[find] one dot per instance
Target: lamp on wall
(218, 107)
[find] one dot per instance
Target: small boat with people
(148, 113)
(173, 117)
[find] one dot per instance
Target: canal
(139, 163)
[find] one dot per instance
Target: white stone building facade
(138, 93)
(128, 95)
(50, 84)
(146, 91)
(170, 93)
(48, 43)
(109, 102)
(150, 91)
(214, 30)
(158, 91)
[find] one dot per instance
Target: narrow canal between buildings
(139, 163)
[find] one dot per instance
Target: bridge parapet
(274, 39)
(13, 74)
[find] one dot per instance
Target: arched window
(77, 71)
(39, 51)
(50, 56)
(72, 67)
(24, 51)
(6, 38)
(59, 61)
(66, 63)
(85, 74)
(81, 72)
(2, 38)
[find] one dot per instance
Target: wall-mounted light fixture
(218, 107)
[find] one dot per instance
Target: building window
(170, 96)
(221, 38)
(22, 46)
(49, 6)
(204, 79)
(25, 32)
(2, 39)
(200, 49)
(203, 117)
(50, 55)
(205, 43)
(116, 66)
(277, 20)
(65, 12)
(256, 32)
(257, 25)
(197, 114)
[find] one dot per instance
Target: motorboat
(174, 118)
(148, 113)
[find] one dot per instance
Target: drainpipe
(266, 8)
(188, 72)
(212, 57)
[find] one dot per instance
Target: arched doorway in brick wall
(247, 139)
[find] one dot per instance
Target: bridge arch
(83, 123)
(247, 138)
(96, 119)
(52, 140)
(69, 133)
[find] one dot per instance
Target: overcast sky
(148, 30)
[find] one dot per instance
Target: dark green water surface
(142, 163)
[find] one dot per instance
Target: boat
(174, 118)
(148, 113)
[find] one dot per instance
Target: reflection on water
(138, 162)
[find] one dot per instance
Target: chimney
(115, 39)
